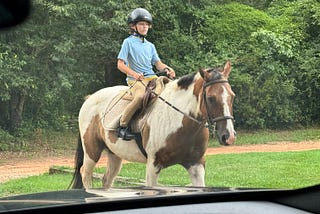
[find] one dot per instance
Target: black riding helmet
(139, 14)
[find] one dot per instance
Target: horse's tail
(76, 182)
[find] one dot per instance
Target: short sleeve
(155, 56)
(124, 51)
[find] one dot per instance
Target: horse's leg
(152, 173)
(87, 171)
(113, 167)
(196, 172)
(92, 154)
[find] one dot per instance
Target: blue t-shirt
(139, 56)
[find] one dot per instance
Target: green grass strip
(253, 170)
(265, 136)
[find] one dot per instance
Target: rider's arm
(161, 67)
(125, 69)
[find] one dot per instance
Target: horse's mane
(186, 80)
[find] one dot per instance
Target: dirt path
(13, 165)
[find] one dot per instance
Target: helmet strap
(136, 33)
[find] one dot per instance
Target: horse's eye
(212, 100)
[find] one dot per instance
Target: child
(136, 59)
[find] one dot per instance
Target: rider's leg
(138, 91)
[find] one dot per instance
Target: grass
(35, 184)
(265, 136)
(268, 170)
(265, 170)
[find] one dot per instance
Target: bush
(7, 141)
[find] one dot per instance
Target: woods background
(67, 50)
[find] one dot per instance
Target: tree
(67, 50)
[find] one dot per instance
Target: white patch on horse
(152, 173)
(226, 110)
(181, 99)
(127, 150)
(97, 105)
(196, 173)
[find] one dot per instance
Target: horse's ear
(203, 73)
(227, 69)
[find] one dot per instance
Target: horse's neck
(173, 102)
(184, 99)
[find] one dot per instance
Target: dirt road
(15, 165)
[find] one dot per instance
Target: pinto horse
(173, 129)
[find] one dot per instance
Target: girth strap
(138, 139)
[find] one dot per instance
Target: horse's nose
(228, 138)
(231, 138)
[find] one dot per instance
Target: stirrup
(125, 134)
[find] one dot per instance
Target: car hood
(81, 196)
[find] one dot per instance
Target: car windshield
(199, 93)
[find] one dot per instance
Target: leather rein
(212, 120)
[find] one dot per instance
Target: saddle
(153, 89)
(115, 108)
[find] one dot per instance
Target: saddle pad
(126, 95)
(112, 114)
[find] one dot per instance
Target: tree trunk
(16, 109)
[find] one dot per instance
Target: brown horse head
(218, 101)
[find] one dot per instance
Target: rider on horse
(136, 59)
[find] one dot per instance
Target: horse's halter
(213, 120)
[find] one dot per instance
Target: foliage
(63, 51)
(6, 140)
(40, 141)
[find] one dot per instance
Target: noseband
(213, 120)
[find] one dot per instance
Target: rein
(201, 123)
(212, 120)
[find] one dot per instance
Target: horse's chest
(183, 147)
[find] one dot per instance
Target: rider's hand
(170, 72)
(138, 76)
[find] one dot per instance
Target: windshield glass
(174, 93)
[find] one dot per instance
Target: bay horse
(173, 129)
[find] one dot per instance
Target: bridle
(213, 120)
